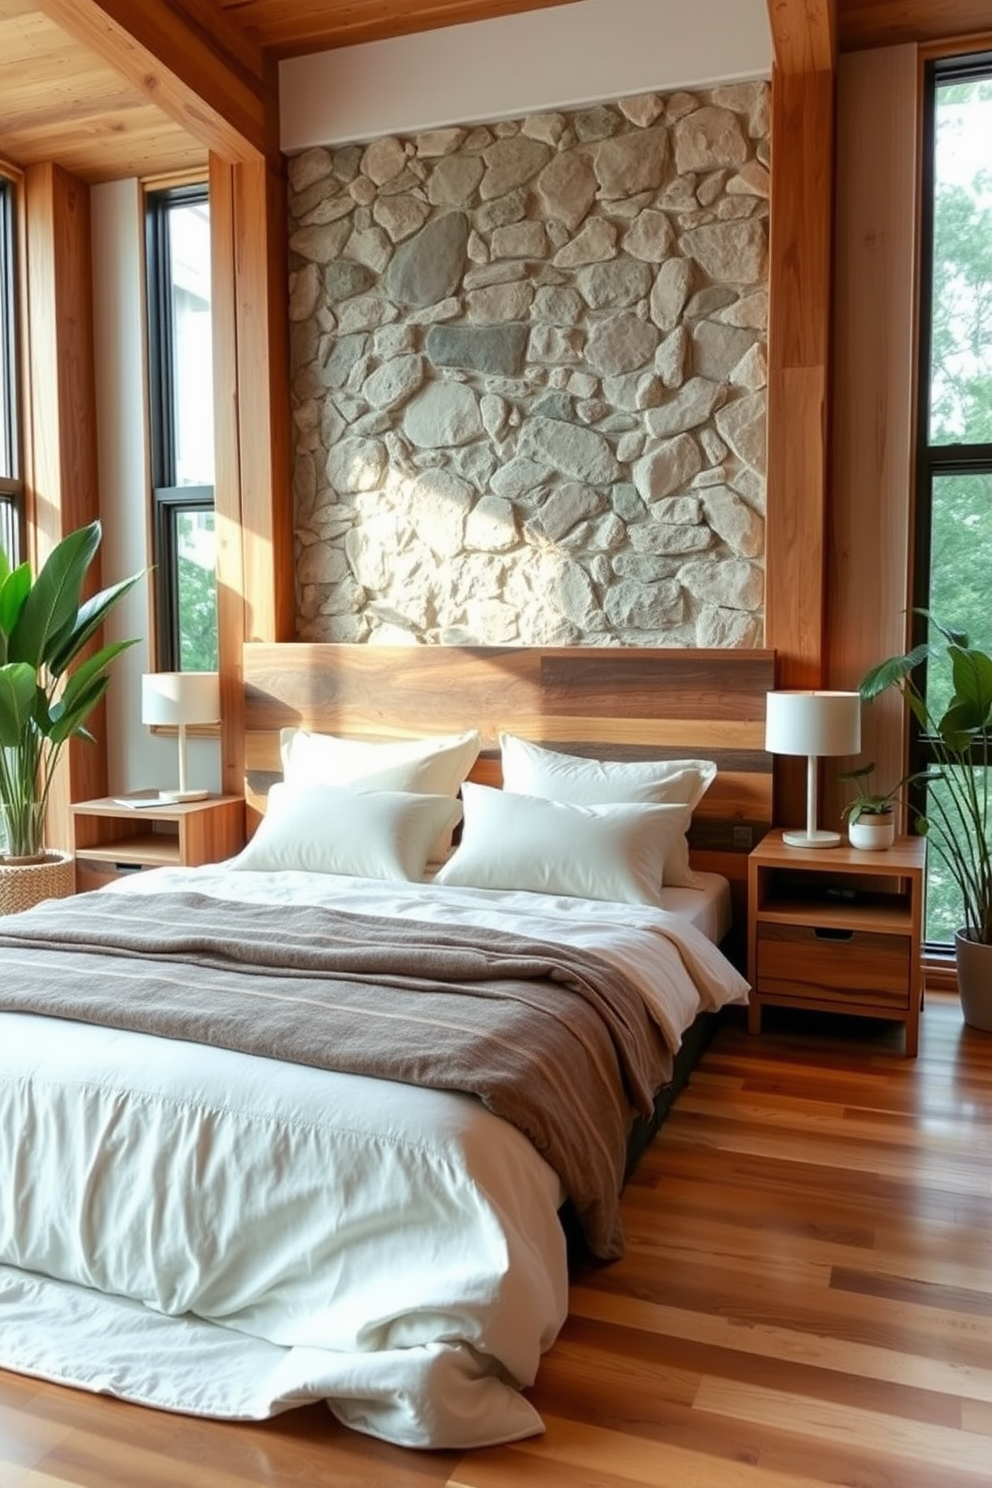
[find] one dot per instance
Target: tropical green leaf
(90, 616)
(18, 688)
(893, 672)
(79, 680)
(53, 599)
(971, 674)
(70, 720)
(13, 593)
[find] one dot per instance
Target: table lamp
(175, 700)
(814, 724)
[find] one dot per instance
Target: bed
(356, 1236)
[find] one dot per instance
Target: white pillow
(327, 829)
(595, 852)
(532, 770)
(432, 767)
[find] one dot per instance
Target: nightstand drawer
(836, 966)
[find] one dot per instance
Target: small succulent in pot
(866, 802)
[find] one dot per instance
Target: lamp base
(811, 839)
(176, 797)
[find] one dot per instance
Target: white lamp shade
(174, 698)
(813, 723)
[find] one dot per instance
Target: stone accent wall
(529, 369)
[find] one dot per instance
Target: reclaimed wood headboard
(616, 703)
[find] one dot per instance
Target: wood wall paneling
(870, 514)
(60, 419)
(885, 23)
(804, 34)
(253, 496)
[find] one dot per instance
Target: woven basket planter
(25, 884)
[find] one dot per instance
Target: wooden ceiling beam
(189, 59)
(804, 35)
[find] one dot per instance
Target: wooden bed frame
(618, 703)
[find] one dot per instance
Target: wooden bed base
(602, 701)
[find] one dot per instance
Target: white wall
(136, 757)
(564, 58)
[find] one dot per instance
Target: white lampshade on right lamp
(813, 724)
(177, 700)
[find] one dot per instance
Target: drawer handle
(832, 934)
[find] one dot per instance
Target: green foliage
(866, 802)
(44, 625)
(958, 823)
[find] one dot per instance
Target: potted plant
(870, 815)
(958, 820)
(46, 695)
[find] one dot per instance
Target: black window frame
(12, 484)
(934, 460)
(169, 500)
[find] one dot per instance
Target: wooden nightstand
(837, 930)
(110, 840)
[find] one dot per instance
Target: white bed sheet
(206, 1232)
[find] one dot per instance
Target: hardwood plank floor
(806, 1299)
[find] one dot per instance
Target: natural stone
(707, 139)
(573, 594)
(557, 305)
(670, 358)
(308, 167)
(594, 243)
(732, 251)
(322, 243)
(621, 344)
(428, 267)
(724, 629)
(642, 109)
(580, 453)
(563, 509)
(393, 383)
(443, 413)
(383, 160)
(595, 124)
(326, 209)
(567, 187)
(693, 404)
(630, 163)
(345, 352)
(356, 465)
(750, 310)
(554, 344)
(362, 191)
(400, 216)
(455, 180)
(650, 236)
(716, 349)
(615, 284)
(365, 313)
(665, 469)
(742, 425)
(751, 180)
(498, 351)
(344, 278)
(669, 538)
(439, 504)
(304, 289)
(736, 584)
(492, 525)
(511, 162)
(506, 209)
(672, 286)
(500, 302)
(437, 142)
(752, 369)
(634, 606)
(520, 240)
(519, 476)
(733, 520)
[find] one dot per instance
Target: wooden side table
(111, 839)
(837, 930)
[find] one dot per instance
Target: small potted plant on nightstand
(870, 815)
(46, 695)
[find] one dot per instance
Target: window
(954, 459)
(181, 382)
(11, 487)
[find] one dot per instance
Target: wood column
(799, 336)
(255, 571)
(60, 449)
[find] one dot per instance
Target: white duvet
(208, 1232)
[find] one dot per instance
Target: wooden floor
(806, 1299)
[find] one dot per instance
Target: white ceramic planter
(974, 962)
(872, 833)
